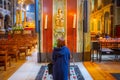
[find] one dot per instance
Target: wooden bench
(4, 59)
(22, 50)
(13, 51)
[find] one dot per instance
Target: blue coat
(61, 58)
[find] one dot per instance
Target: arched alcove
(1, 20)
(106, 22)
(6, 21)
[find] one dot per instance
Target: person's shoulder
(65, 47)
(56, 49)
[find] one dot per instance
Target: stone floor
(27, 69)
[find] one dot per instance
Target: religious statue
(59, 19)
(59, 30)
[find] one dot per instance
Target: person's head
(60, 42)
(107, 36)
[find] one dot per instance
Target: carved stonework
(59, 28)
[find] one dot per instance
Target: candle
(46, 18)
(74, 20)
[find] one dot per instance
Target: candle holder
(74, 20)
(46, 19)
(73, 35)
(46, 56)
(45, 27)
(73, 30)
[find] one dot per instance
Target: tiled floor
(30, 68)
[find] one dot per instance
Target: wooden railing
(109, 46)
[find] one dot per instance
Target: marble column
(3, 4)
(6, 5)
(20, 16)
(24, 19)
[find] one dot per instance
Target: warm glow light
(20, 1)
(94, 19)
(74, 20)
(27, 8)
(46, 19)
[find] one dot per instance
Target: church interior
(29, 30)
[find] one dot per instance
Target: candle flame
(74, 21)
(46, 19)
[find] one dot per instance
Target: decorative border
(76, 69)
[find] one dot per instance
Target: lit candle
(74, 20)
(46, 18)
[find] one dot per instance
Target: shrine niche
(59, 20)
(59, 28)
